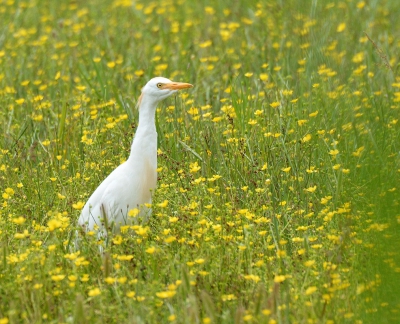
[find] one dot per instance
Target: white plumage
(131, 184)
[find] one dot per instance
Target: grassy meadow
(278, 191)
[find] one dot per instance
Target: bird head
(160, 88)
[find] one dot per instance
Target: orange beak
(176, 86)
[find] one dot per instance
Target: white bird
(132, 183)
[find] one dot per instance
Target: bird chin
(170, 93)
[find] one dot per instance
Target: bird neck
(147, 113)
(145, 139)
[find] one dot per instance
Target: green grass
(280, 168)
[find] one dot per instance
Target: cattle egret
(129, 187)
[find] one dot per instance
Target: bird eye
(159, 85)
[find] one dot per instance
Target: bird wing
(127, 187)
(131, 189)
(96, 207)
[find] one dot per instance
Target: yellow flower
(358, 152)
(130, 294)
(163, 204)
(253, 278)
(309, 263)
(311, 290)
(20, 101)
(194, 167)
(333, 152)
(125, 257)
(193, 111)
(205, 44)
(281, 253)
(161, 67)
(228, 297)
(166, 294)
(286, 169)
(311, 189)
(4, 320)
(21, 235)
(341, 27)
(110, 125)
(133, 212)
(52, 247)
(275, 104)
(142, 231)
(109, 280)
(57, 277)
(117, 240)
(266, 312)
(259, 263)
(279, 278)
(94, 292)
(85, 278)
(361, 4)
(53, 224)
(360, 289)
(151, 250)
(139, 73)
(311, 169)
(358, 58)
(306, 138)
(209, 10)
(170, 239)
(19, 220)
(79, 205)
(122, 280)
(72, 256)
